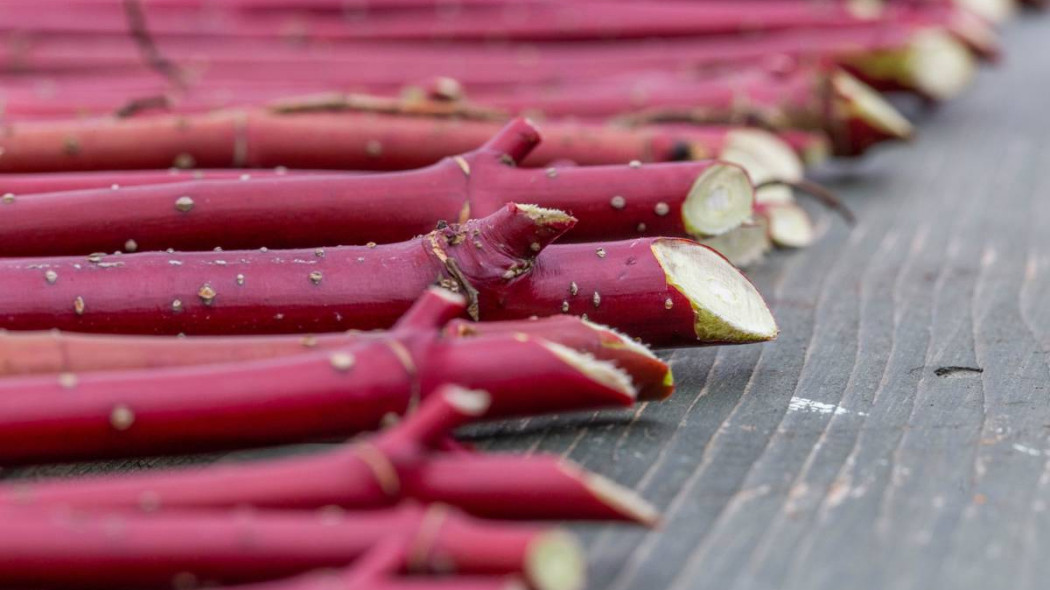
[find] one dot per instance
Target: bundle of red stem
(924, 53)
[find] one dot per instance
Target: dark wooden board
(839, 456)
(897, 434)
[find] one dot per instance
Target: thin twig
(817, 191)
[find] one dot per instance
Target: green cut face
(727, 306)
(555, 562)
(720, 199)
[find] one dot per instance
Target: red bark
(35, 353)
(708, 198)
(400, 464)
(890, 42)
(649, 288)
(811, 98)
(343, 140)
(302, 397)
(23, 184)
(536, 21)
(74, 550)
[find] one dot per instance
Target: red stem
(292, 399)
(377, 569)
(625, 285)
(651, 376)
(327, 581)
(804, 97)
(330, 210)
(33, 353)
(70, 550)
(403, 463)
(344, 140)
(540, 21)
(475, 66)
(25, 184)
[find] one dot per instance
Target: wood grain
(915, 452)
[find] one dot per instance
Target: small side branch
(818, 192)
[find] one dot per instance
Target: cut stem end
(745, 245)
(728, 309)
(789, 226)
(939, 65)
(721, 199)
(555, 562)
(868, 117)
(627, 504)
(603, 372)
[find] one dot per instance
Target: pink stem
(291, 399)
(400, 464)
(36, 353)
(70, 550)
(329, 210)
(625, 285)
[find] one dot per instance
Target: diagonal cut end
(939, 65)
(627, 504)
(727, 307)
(933, 63)
(745, 245)
(652, 377)
(721, 198)
(603, 372)
(765, 157)
(546, 216)
(789, 225)
(868, 115)
(468, 402)
(622, 340)
(555, 562)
